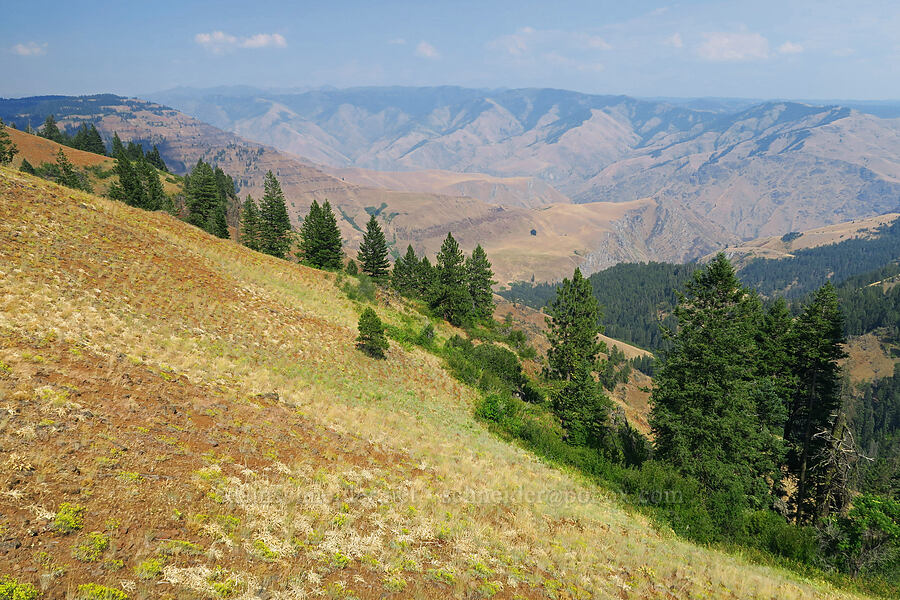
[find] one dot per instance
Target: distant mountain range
(544, 179)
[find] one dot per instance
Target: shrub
(91, 549)
(362, 291)
(94, 591)
(769, 531)
(10, 589)
(352, 269)
(149, 569)
(69, 518)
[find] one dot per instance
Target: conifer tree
(371, 338)
(93, 141)
(135, 151)
(116, 147)
(582, 408)
(704, 403)
(451, 293)
(320, 238)
(479, 279)
(330, 254)
(250, 234)
(26, 167)
(154, 195)
(68, 176)
(405, 273)
(7, 148)
(202, 197)
(129, 188)
(817, 398)
(574, 324)
(309, 233)
(274, 223)
(426, 280)
(50, 130)
(154, 158)
(351, 268)
(373, 252)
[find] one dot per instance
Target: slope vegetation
(183, 417)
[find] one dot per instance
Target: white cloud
(397, 42)
(790, 48)
(741, 46)
(426, 50)
(219, 42)
(29, 49)
(674, 40)
(528, 44)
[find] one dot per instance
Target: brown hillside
(37, 150)
(203, 411)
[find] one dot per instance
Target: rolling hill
(184, 417)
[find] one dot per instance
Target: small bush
(91, 549)
(263, 551)
(10, 589)
(371, 338)
(352, 269)
(94, 591)
(69, 518)
(362, 291)
(149, 569)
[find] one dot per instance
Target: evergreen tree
(451, 293)
(216, 223)
(116, 147)
(320, 238)
(7, 148)
(50, 130)
(704, 403)
(135, 151)
(202, 197)
(426, 280)
(479, 279)
(68, 176)
(129, 189)
(405, 273)
(93, 141)
(154, 158)
(154, 195)
(250, 224)
(351, 268)
(274, 223)
(26, 167)
(309, 233)
(373, 252)
(574, 324)
(817, 398)
(582, 408)
(371, 338)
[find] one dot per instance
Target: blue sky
(756, 49)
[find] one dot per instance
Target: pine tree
(202, 197)
(216, 223)
(817, 399)
(574, 324)
(154, 158)
(451, 293)
(26, 167)
(250, 234)
(704, 403)
(129, 188)
(274, 223)
(320, 238)
(351, 268)
(93, 141)
(479, 279)
(403, 278)
(330, 254)
(116, 147)
(426, 280)
(373, 252)
(7, 148)
(68, 176)
(582, 408)
(371, 338)
(50, 130)
(309, 234)
(154, 195)
(135, 151)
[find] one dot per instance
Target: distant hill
(749, 168)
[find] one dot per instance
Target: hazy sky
(758, 49)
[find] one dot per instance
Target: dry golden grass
(138, 357)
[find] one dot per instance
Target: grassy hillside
(203, 413)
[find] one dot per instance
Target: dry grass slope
(139, 365)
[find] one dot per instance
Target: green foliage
(250, 225)
(362, 291)
(154, 196)
(26, 167)
(88, 139)
(479, 279)
(69, 518)
(867, 539)
(371, 339)
(875, 420)
(373, 252)
(451, 298)
(7, 148)
(153, 157)
(50, 130)
(149, 569)
(68, 175)
(405, 274)
(10, 589)
(92, 548)
(704, 403)
(203, 199)
(129, 188)
(573, 326)
(351, 268)
(582, 408)
(274, 223)
(95, 591)
(320, 238)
